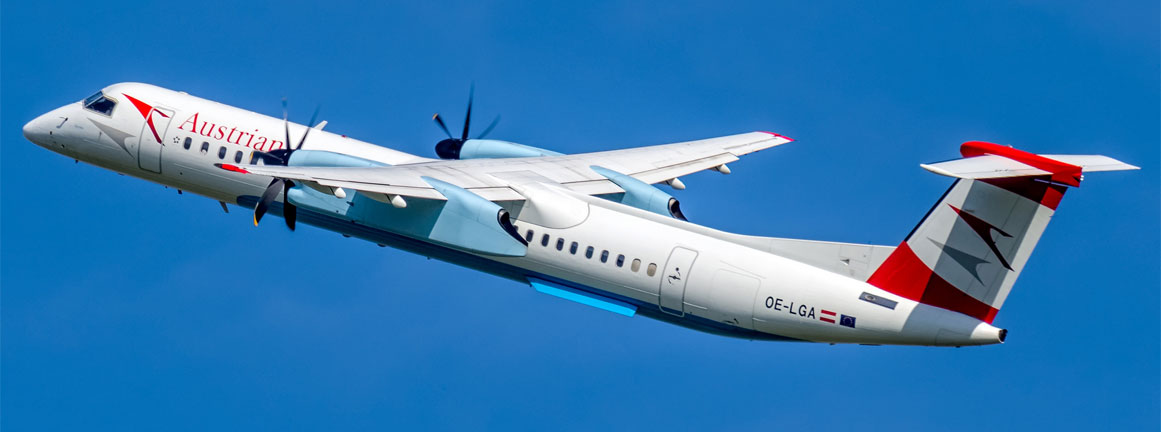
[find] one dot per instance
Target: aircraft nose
(37, 130)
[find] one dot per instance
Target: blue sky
(128, 306)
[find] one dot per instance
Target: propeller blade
(286, 122)
(309, 126)
(268, 158)
(468, 117)
(267, 198)
(439, 122)
(488, 129)
(289, 211)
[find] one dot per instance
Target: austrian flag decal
(826, 316)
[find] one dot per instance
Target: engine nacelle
(487, 149)
(641, 195)
(465, 221)
(468, 221)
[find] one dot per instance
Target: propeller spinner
(282, 156)
(449, 148)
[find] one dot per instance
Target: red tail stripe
(825, 319)
(906, 275)
(1065, 173)
(827, 312)
(1048, 195)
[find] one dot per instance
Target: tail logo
(147, 112)
(984, 230)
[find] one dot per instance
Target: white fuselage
(668, 269)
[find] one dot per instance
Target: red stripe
(778, 135)
(906, 275)
(942, 294)
(902, 273)
(153, 128)
(1052, 197)
(233, 168)
(143, 107)
(1048, 195)
(1068, 174)
(827, 312)
(825, 319)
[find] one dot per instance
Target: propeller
(289, 211)
(282, 157)
(450, 148)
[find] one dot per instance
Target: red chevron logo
(147, 111)
(984, 230)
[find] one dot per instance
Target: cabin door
(673, 279)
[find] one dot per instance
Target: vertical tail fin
(966, 253)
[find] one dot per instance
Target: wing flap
(407, 191)
(684, 168)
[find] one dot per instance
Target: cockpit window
(99, 103)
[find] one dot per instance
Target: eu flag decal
(847, 320)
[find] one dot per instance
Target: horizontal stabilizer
(986, 161)
(1093, 163)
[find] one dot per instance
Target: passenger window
(604, 256)
(560, 244)
(100, 104)
(188, 141)
(205, 147)
(572, 248)
(620, 260)
(544, 240)
(636, 265)
(238, 157)
(222, 152)
(589, 252)
(651, 270)
(528, 236)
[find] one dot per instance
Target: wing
(493, 178)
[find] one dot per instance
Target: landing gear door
(152, 139)
(673, 279)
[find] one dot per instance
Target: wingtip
(937, 170)
(788, 139)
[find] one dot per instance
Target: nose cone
(38, 129)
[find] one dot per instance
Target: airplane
(595, 228)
